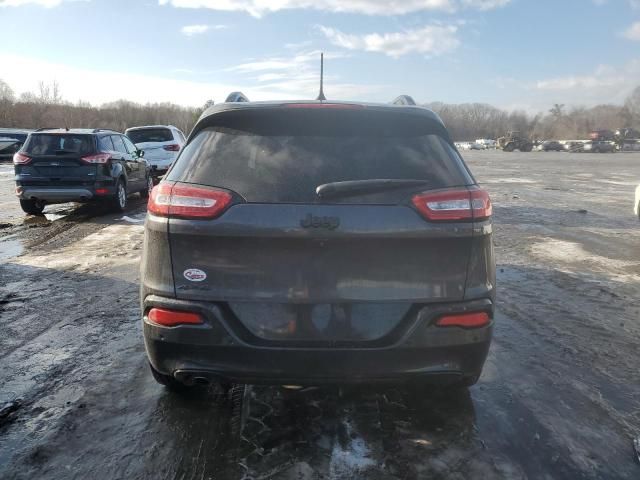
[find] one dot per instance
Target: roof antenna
(321, 96)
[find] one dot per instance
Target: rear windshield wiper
(354, 187)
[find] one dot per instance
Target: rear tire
(119, 200)
(147, 191)
(32, 207)
(169, 382)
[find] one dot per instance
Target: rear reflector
(454, 205)
(98, 158)
(335, 106)
(171, 318)
(172, 148)
(464, 320)
(182, 201)
(102, 191)
(21, 159)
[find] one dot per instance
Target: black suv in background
(79, 165)
(318, 242)
(11, 140)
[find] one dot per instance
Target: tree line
(468, 121)
(47, 108)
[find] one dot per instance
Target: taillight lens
(465, 320)
(171, 318)
(172, 148)
(454, 205)
(21, 159)
(98, 158)
(480, 204)
(185, 201)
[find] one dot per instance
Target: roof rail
(236, 97)
(404, 100)
(48, 128)
(96, 130)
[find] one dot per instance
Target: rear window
(150, 135)
(283, 158)
(59, 144)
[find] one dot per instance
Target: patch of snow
(351, 458)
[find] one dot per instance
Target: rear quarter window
(284, 159)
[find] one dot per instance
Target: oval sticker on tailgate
(195, 275)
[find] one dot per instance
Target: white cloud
(97, 87)
(429, 40)
(191, 30)
(633, 32)
(604, 76)
(257, 8)
(298, 76)
(606, 84)
(42, 3)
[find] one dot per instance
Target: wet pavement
(559, 397)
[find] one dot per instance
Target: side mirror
(141, 153)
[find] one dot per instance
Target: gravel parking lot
(559, 398)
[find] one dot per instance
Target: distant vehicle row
(512, 143)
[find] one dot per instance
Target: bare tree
(7, 98)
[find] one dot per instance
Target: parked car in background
(598, 146)
(573, 145)
(10, 142)
(161, 145)
(477, 146)
(79, 165)
(636, 205)
(551, 146)
(262, 263)
(487, 143)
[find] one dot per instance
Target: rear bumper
(56, 194)
(215, 352)
(64, 194)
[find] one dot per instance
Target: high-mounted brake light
(335, 106)
(98, 158)
(172, 318)
(454, 205)
(185, 201)
(21, 159)
(465, 320)
(174, 147)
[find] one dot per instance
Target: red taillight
(336, 106)
(171, 318)
(102, 191)
(454, 205)
(183, 201)
(465, 320)
(98, 158)
(21, 159)
(481, 204)
(172, 148)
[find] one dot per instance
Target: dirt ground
(559, 397)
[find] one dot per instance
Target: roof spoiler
(235, 97)
(404, 100)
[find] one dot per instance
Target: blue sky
(524, 54)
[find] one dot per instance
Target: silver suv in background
(160, 143)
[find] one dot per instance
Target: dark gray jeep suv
(317, 242)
